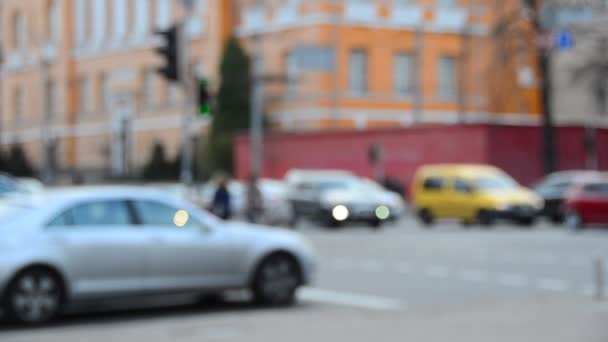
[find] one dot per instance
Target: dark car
(333, 198)
(554, 188)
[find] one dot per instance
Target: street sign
(564, 40)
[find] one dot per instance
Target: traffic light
(204, 106)
(169, 51)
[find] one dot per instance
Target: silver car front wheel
(276, 280)
(34, 297)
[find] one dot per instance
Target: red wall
(516, 149)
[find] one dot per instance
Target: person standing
(221, 205)
(254, 200)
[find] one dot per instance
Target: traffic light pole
(190, 109)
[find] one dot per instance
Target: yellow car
(472, 193)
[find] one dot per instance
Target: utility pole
(417, 112)
(191, 90)
(256, 134)
(177, 68)
(45, 123)
(335, 80)
(540, 16)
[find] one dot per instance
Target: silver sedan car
(68, 246)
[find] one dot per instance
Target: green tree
(3, 162)
(18, 165)
(233, 107)
(157, 168)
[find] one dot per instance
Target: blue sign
(564, 40)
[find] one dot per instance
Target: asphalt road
(403, 283)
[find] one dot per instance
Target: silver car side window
(152, 213)
(62, 220)
(101, 213)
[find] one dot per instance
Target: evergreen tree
(233, 108)
(18, 165)
(157, 168)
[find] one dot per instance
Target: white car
(276, 209)
(64, 247)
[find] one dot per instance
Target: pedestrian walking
(221, 205)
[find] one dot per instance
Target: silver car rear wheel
(276, 281)
(34, 297)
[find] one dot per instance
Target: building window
(19, 107)
(292, 73)
(54, 23)
(142, 15)
(20, 31)
(163, 14)
(148, 88)
(51, 99)
(85, 96)
(80, 23)
(357, 72)
(172, 94)
(120, 9)
(447, 78)
(402, 74)
(99, 18)
(104, 93)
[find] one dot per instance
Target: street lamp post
(189, 86)
(256, 134)
(542, 16)
(45, 124)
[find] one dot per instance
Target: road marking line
(579, 261)
(481, 255)
(437, 271)
(600, 309)
(371, 266)
(507, 258)
(404, 268)
(342, 264)
(544, 259)
(550, 284)
(587, 290)
(513, 280)
(349, 299)
(477, 276)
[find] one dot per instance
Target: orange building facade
(385, 63)
(78, 79)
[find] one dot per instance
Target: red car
(587, 203)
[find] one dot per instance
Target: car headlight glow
(340, 213)
(383, 212)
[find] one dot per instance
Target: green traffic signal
(204, 106)
(204, 110)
